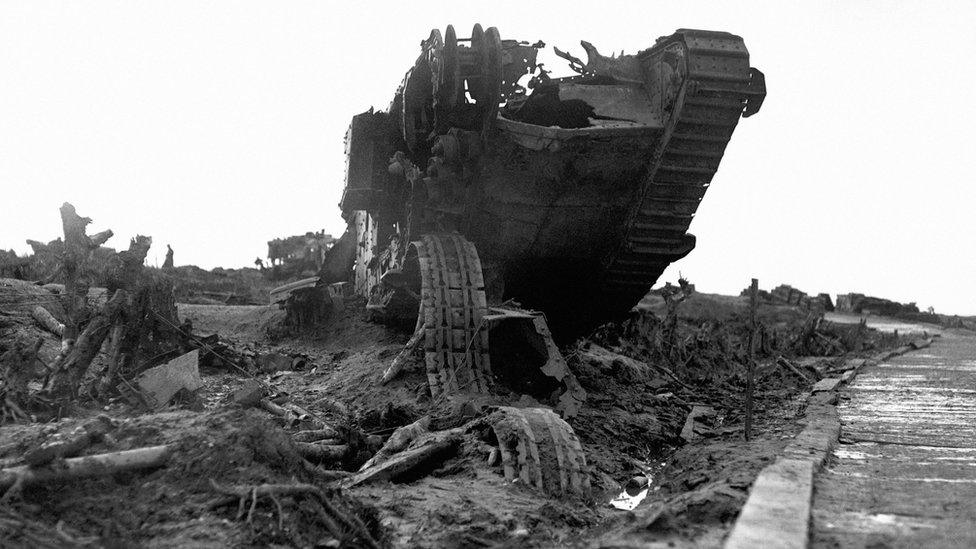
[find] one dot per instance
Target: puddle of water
(881, 522)
(884, 519)
(853, 474)
(628, 502)
(852, 454)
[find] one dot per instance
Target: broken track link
(452, 310)
(541, 450)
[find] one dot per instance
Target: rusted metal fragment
(527, 335)
(281, 293)
(616, 105)
(160, 384)
(540, 450)
(623, 68)
(690, 432)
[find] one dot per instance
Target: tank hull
(578, 195)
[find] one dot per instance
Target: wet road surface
(904, 472)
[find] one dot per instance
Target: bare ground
(629, 426)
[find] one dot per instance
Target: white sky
(216, 126)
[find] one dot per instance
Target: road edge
(776, 514)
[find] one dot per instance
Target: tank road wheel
(476, 70)
(491, 78)
(452, 308)
(541, 450)
(477, 34)
(485, 81)
(449, 72)
(418, 93)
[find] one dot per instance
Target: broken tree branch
(64, 382)
(17, 370)
(788, 365)
(404, 356)
(331, 515)
(673, 376)
(439, 447)
(47, 321)
(70, 445)
(100, 464)
(317, 452)
(316, 435)
(399, 441)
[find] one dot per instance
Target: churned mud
(661, 429)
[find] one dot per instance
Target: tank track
(541, 450)
(719, 86)
(452, 307)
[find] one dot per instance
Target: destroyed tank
(569, 195)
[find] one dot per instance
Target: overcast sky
(216, 126)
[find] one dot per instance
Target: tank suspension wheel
(477, 33)
(541, 450)
(448, 73)
(491, 75)
(452, 307)
(486, 49)
(418, 92)
(473, 59)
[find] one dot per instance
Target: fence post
(750, 366)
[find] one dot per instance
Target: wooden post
(750, 366)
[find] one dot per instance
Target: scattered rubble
(298, 255)
(784, 294)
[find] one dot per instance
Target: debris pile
(862, 304)
(296, 256)
(297, 430)
(784, 294)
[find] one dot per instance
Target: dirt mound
(642, 378)
(179, 505)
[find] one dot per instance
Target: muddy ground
(631, 425)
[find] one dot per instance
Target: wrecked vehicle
(566, 195)
(578, 192)
(297, 254)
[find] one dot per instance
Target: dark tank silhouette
(486, 180)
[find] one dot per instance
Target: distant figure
(168, 264)
(259, 263)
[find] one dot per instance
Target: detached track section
(452, 306)
(541, 450)
(718, 85)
